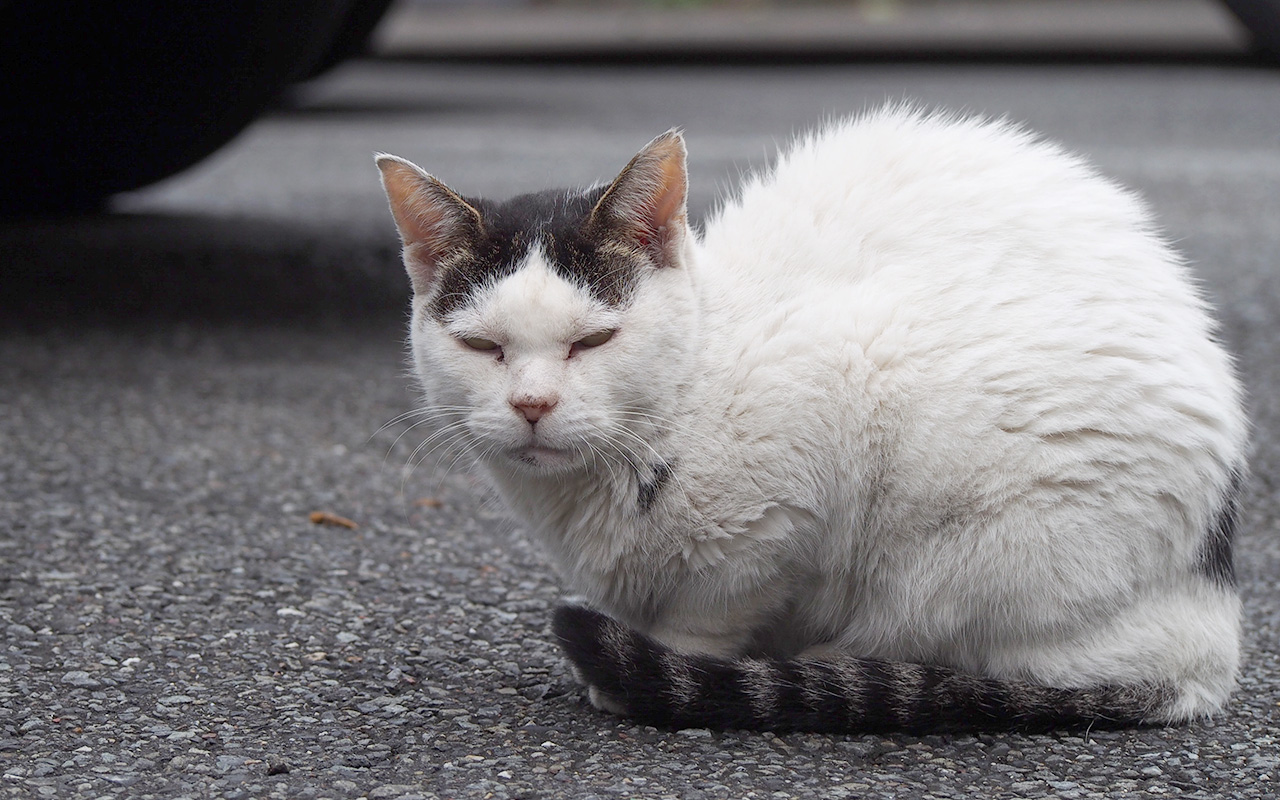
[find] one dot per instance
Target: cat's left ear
(435, 223)
(646, 204)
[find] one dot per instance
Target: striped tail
(658, 686)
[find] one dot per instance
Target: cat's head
(549, 331)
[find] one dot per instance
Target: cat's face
(549, 331)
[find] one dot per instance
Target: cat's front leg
(675, 637)
(719, 632)
(606, 702)
(625, 669)
(600, 649)
(599, 699)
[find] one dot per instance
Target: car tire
(354, 34)
(1262, 18)
(106, 97)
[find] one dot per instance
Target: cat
(927, 429)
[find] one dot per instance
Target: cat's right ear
(646, 202)
(433, 220)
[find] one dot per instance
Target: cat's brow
(554, 221)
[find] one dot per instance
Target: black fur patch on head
(588, 255)
(1216, 561)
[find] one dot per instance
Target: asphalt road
(184, 381)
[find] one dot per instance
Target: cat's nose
(533, 410)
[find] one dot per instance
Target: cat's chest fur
(763, 462)
(683, 518)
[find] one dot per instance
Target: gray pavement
(184, 381)
(708, 31)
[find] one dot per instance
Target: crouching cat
(928, 429)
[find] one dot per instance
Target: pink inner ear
(648, 198)
(428, 233)
(668, 201)
(663, 213)
(418, 217)
(432, 220)
(426, 224)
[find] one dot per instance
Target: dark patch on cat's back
(1215, 559)
(556, 221)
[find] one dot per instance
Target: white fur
(932, 391)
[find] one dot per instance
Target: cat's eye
(595, 339)
(477, 343)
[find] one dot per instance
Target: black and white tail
(658, 686)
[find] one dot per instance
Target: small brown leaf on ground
(428, 502)
(326, 518)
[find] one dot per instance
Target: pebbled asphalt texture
(185, 380)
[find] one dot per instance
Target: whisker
(661, 421)
(448, 426)
(451, 435)
(621, 451)
(403, 433)
(415, 412)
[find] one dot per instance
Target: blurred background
(817, 29)
(130, 108)
(116, 96)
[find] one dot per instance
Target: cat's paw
(579, 676)
(606, 702)
(590, 640)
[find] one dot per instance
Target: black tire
(1262, 18)
(353, 35)
(100, 98)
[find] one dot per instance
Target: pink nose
(534, 410)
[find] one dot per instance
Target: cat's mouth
(543, 457)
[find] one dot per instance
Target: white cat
(928, 429)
